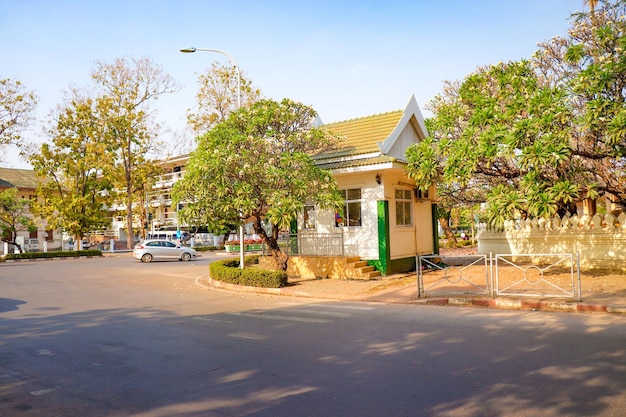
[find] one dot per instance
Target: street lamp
(192, 50)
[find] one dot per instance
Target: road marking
(249, 336)
(341, 307)
(213, 320)
(43, 391)
(336, 314)
(284, 318)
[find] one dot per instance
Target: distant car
(151, 249)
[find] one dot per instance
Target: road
(114, 337)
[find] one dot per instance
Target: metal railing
(537, 275)
(519, 275)
(453, 275)
(312, 244)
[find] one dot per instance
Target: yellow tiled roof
(362, 134)
(20, 178)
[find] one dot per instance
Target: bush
(206, 248)
(44, 255)
(228, 271)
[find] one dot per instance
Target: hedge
(228, 271)
(44, 255)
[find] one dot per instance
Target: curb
(527, 305)
(494, 303)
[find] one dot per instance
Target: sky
(346, 59)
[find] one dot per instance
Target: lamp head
(188, 50)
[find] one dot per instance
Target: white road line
(248, 336)
(44, 391)
(284, 318)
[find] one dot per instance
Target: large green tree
(16, 109)
(536, 135)
(257, 167)
(75, 192)
(14, 216)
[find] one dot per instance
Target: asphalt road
(114, 337)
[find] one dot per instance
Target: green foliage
(257, 166)
(228, 271)
(47, 255)
(74, 193)
(14, 215)
(532, 137)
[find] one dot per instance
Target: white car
(148, 250)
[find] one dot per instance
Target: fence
(312, 244)
(520, 275)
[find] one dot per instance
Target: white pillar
(112, 249)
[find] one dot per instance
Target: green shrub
(206, 248)
(228, 271)
(43, 255)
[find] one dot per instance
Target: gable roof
(362, 134)
(19, 178)
(376, 139)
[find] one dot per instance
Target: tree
(14, 216)
(257, 166)
(127, 89)
(75, 190)
(537, 135)
(590, 62)
(217, 97)
(496, 133)
(16, 108)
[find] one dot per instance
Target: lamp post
(192, 50)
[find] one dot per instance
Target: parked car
(150, 249)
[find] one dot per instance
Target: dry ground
(555, 281)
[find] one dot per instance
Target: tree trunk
(129, 221)
(280, 257)
(445, 225)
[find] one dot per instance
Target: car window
(169, 244)
(152, 244)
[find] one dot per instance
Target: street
(115, 337)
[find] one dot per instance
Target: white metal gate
(505, 275)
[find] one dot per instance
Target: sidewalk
(402, 289)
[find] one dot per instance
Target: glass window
(404, 207)
(352, 209)
(309, 216)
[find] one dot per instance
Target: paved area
(402, 288)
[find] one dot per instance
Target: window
(404, 207)
(33, 235)
(352, 209)
(309, 216)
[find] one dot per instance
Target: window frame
(404, 201)
(350, 205)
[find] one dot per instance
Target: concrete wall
(600, 240)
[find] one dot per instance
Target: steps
(359, 269)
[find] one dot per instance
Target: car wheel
(146, 257)
(185, 256)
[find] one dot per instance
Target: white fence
(502, 275)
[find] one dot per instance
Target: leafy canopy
(257, 166)
(534, 136)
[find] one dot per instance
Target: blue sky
(347, 59)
